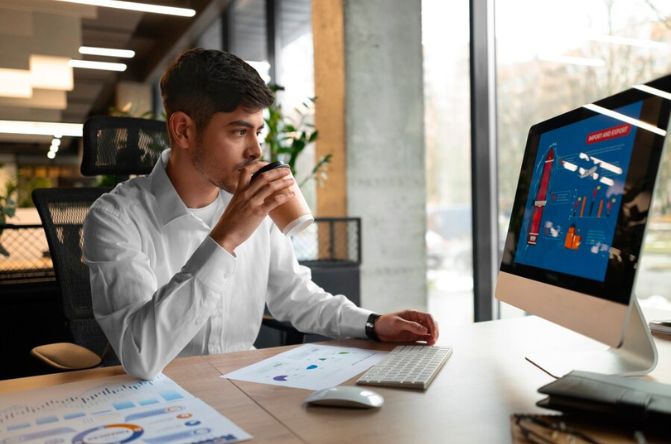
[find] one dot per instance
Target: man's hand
(250, 204)
(407, 326)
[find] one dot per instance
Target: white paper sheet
(116, 409)
(311, 367)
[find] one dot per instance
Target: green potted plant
(7, 209)
(287, 138)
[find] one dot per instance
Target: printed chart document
(312, 367)
(118, 409)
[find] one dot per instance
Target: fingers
(423, 318)
(270, 189)
(245, 177)
(278, 198)
(431, 325)
(413, 327)
(267, 177)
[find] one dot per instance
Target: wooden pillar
(329, 60)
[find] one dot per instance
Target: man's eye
(241, 132)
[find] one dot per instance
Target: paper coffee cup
(293, 216)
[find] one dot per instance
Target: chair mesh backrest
(62, 212)
(122, 145)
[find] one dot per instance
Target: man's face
(229, 142)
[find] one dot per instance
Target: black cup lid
(270, 166)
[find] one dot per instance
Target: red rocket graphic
(541, 198)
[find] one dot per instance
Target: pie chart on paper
(310, 366)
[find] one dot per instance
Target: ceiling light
(15, 83)
(48, 72)
(134, 6)
(51, 155)
(105, 66)
(55, 129)
(570, 60)
(626, 119)
(107, 52)
(42, 98)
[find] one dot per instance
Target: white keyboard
(410, 366)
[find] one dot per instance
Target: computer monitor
(578, 222)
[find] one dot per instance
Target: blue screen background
(578, 204)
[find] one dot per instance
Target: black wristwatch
(370, 327)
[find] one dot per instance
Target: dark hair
(202, 82)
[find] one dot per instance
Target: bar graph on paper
(115, 409)
(71, 401)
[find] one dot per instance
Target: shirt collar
(168, 203)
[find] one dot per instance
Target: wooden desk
(471, 400)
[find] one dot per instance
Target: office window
(555, 56)
(296, 74)
(247, 34)
(445, 41)
(211, 38)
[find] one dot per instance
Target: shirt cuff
(354, 323)
(211, 264)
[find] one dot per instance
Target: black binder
(614, 398)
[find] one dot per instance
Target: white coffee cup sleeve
(299, 224)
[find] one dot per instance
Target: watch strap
(370, 327)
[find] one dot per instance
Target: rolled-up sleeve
(148, 325)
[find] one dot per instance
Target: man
(183, 260)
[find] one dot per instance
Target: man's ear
(182, 130)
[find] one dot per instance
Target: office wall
(385, 148)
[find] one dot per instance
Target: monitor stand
(636, 356)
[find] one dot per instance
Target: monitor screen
(585, 191)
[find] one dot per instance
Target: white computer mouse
(346, 396)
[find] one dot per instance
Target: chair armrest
(292, 336)
(66, 356)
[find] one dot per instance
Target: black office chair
(119, 146)
(122, 146)
(63, 212)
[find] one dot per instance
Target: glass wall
(556, 56)
(292, 62)
(296, 74)
(247, 34)
(445, 41)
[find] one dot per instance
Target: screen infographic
(575, 194)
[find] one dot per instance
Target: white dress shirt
(162, 287)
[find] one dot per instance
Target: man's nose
(254, 149)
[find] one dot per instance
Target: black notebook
(610, 397)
